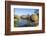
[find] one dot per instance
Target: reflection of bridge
(23, 23)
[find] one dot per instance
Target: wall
(2, 18)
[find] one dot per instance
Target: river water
(25, 23)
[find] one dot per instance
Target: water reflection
(25, 23)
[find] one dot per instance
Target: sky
(25, 11)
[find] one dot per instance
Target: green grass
(16, 23)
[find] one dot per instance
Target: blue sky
(24, 11)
